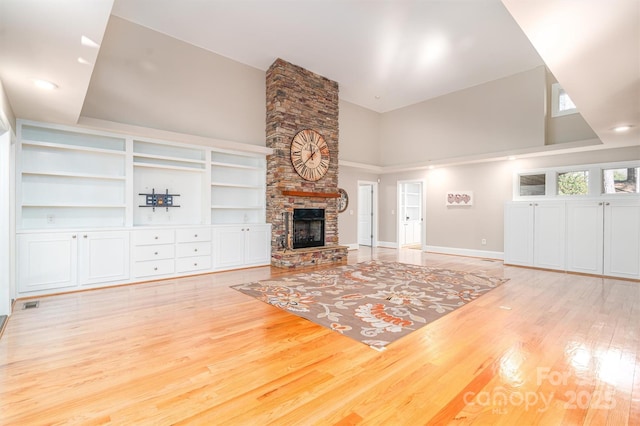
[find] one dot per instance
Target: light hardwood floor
(545, 348)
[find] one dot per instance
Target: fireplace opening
(308, 228)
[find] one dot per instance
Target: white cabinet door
(228, 243)
(46, 261)
(585, 236)
(242, 245)
(257, 245)
(518, 233)
(549, 235)
(534, 234)
(622, 238)
(103, 257)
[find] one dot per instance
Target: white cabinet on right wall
(534, 234)
(622, 238)
(603, 237)
(585, 236)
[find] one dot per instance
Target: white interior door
(410, 213)
(365, 214)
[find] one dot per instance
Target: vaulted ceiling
(384, 54)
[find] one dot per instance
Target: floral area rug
(373, 302)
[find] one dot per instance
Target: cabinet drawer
(194, 249)
(193, 235)
(153, 267)
(153, 236)
(196, 263)
(155, 252)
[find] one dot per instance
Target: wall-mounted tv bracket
(154, 200)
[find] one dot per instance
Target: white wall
(208, 95)
(359, 134)
(505, 114)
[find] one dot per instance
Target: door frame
(7, 291)
(374, 211)
(423, 197)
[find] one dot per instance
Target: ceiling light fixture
(44, 84)
(83, 61)
(621, 129)
(86, 41)
(512, 157)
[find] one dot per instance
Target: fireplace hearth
(308, 228)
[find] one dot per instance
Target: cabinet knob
(606, 204)
(73, 236)
(84, 236)
(530, 204)
(195, 264)
(599, 204)
(155, 268)
(156, 253)
(155, 238)
(195, 249)
(247, 229)
(195, 236)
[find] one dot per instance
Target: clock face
(343, 201)
(310, 155)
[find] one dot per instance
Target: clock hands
(313, 153)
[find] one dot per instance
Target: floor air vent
(30, 305)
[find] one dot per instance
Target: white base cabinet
(67, 260)
(602, 236)
(238, 246)
(535, 234)
(103, 257)
(585, 236)
(622, 239)
(153, 252)
(46, 261)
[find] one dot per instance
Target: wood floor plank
(194, 351)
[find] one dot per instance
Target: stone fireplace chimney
(298, 99)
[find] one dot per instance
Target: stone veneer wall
(298, 99)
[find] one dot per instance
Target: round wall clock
(310, 155)
(343, 201)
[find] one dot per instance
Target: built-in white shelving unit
(163, 167)
(83, 216)
(237, 188)
(70, 179)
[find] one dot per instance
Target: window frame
(556, 90)
(595, 183)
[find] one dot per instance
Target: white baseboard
(387, 244)
(466, 252)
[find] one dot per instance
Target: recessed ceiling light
(377, 96)
(83, 61)
(431, 167)
(621, 129)
(512, 157)
(86, 41)
(44, 84)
